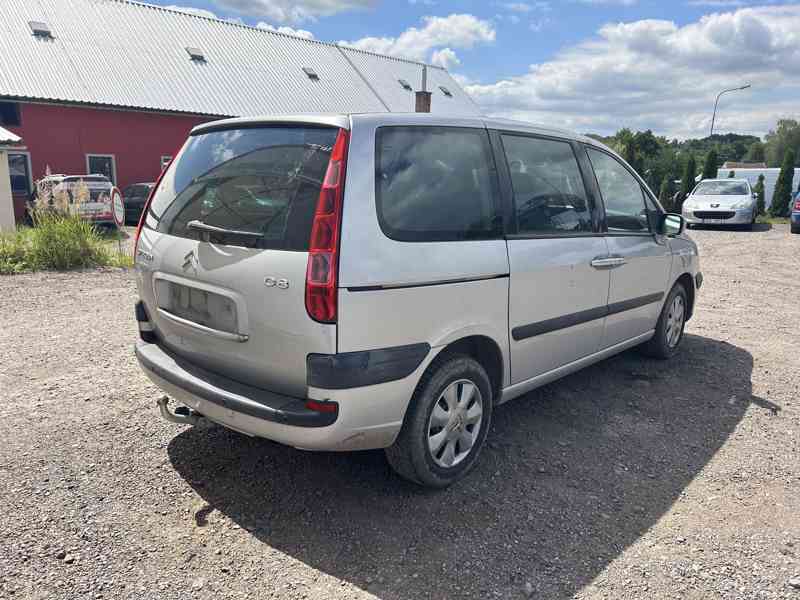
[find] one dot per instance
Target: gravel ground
(632, 479)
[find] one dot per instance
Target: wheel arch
(687, 281)
(485, 351)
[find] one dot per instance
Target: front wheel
(669, 329)
(446, 424)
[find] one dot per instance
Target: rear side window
(622, 194)
(264, 181)
(549, 195)
(436, 184)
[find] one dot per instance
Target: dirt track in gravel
(632, 479)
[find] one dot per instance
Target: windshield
(263, 180)
(721, 188)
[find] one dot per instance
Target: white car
(88, 195)
(721, 202)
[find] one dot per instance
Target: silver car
(721, 202)
(386, 281)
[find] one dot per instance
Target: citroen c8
(386, 281)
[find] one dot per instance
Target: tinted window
(263, 180)
(622, 194)
(435, 184)
(721, 188)
(549, 195)
(20, 177)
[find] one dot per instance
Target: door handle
(607, 262)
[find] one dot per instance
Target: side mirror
(671, 224)
(755, 196)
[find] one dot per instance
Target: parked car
(386, 281)
(134, 197)
(795, 216)
(721, 202)
(88, 195)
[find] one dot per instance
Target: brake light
(145, 209)
(797, 205)
(323, 248)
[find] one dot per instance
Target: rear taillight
(797, 205)
(145, 209)
(323, 248)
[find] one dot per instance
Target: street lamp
(714, 118)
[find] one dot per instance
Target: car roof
(727, 179)
(343, 121)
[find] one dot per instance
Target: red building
(126, 145)
(114, 86)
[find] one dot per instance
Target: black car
(134, 197)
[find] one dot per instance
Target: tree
(785, 136)
(710, 166)
(666, 192)
(760, 192)
(731, 174)
(687, 182)
(783, 187)
(755, 153)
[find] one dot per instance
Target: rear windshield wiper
(210, 229)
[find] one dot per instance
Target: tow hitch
(182, 414)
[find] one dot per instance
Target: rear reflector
(323, 248)
(322, 407)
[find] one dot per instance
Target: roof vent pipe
(423, 103)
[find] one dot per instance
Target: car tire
(457, 388)
(666, 340)
(795, 228)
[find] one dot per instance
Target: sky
(586, 65)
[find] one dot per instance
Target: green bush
(57, 241)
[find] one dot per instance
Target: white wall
(770, 179)
(6, 202)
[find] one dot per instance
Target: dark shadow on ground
(757, 227)
(574, 473)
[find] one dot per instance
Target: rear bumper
(228, 394)
(367, 417)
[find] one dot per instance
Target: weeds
(58, 240)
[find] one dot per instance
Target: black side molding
(236, 396)
(358, 369)
(533, 329)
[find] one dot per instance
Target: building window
(10, 114)
(102, 164)
(19, 165)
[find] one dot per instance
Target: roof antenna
(423, 104)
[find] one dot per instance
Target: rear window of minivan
(436, 184)
(263, 180)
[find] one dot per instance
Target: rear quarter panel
(417, 312)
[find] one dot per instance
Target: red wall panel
(61, 137)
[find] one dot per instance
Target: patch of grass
(772, 220)
(58, 241)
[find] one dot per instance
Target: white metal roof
(134, 55)
(6, 137)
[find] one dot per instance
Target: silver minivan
(387, 280)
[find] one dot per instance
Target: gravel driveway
(632, 479)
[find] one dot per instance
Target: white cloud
(438, 33)
(445, 58)
(656, 74)
(292, 11)
(200, 12)
(301, 33)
